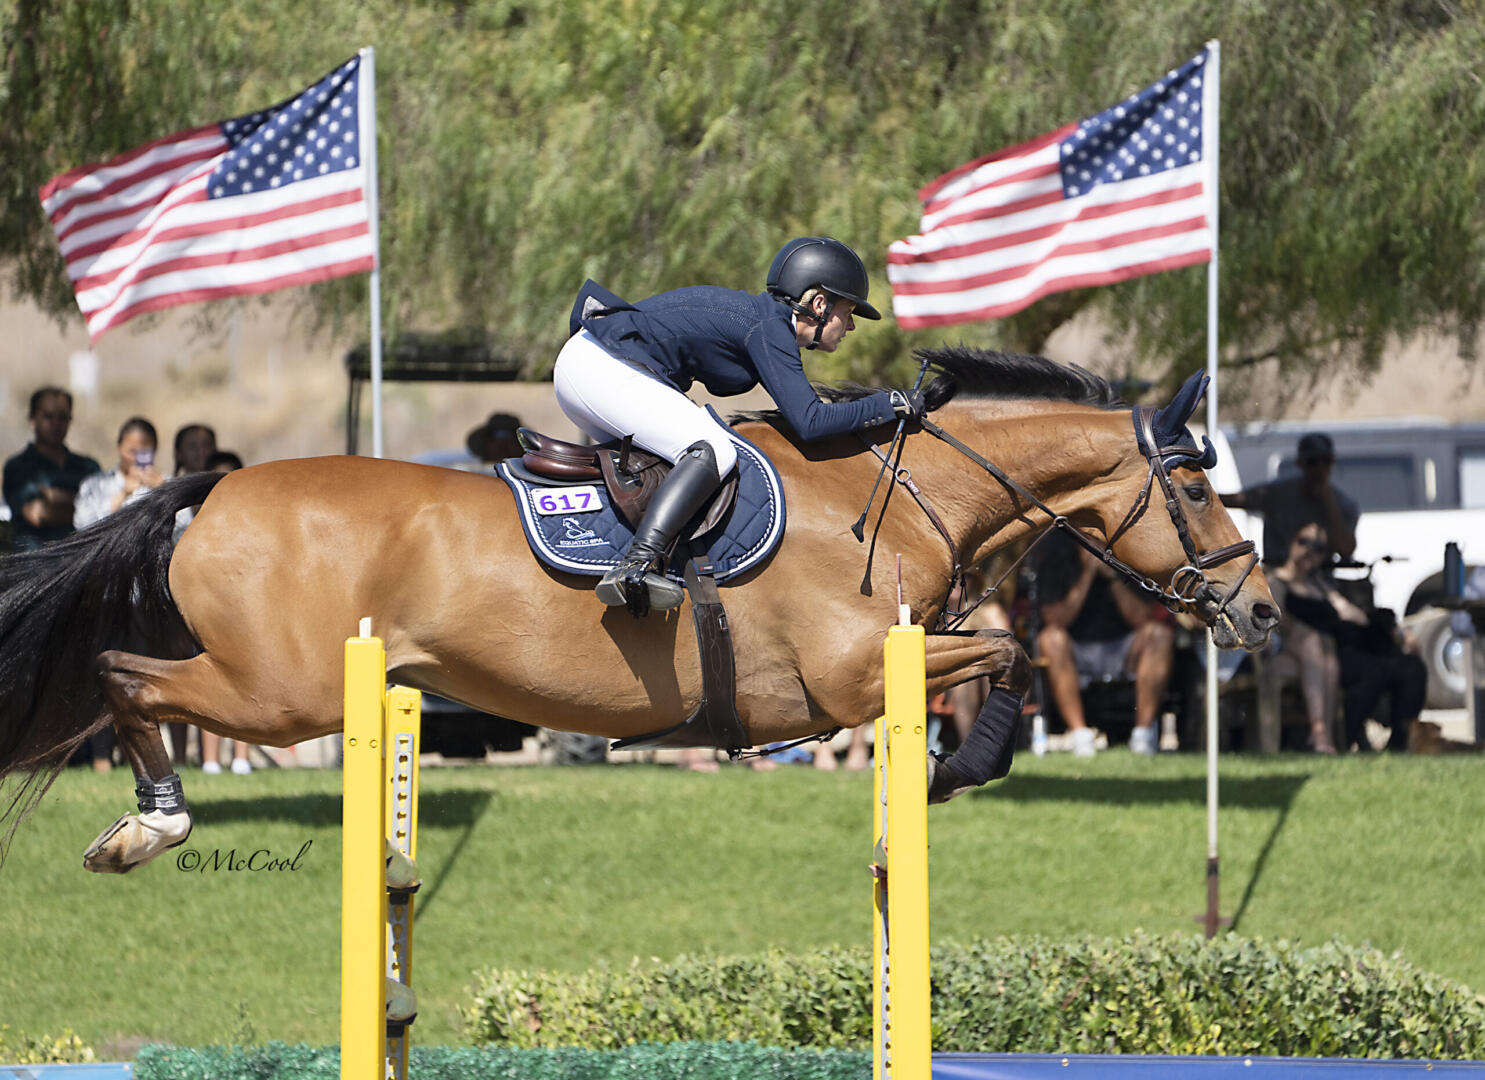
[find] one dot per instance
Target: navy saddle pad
(574, 528)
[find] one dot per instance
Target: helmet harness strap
(820, 321)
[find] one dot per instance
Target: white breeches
(608, 399)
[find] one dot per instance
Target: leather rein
(1189, 585)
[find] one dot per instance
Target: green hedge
(1138, 995)
(679, 1061)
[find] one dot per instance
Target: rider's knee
(723, 454)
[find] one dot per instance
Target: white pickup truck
(1420, 483)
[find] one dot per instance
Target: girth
(715, 722)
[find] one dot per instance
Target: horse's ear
(1170, 422)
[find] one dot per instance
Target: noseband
(1189, 587)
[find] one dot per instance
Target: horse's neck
(1066, 455)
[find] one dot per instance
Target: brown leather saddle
(630, 474)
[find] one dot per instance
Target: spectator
(964, 701)
(858, 757)
(1372, 656)
(41, 482)
(1095, 626)
(1307, 499)
(1304, 652)
(223, 461)
(495, 439)
(104, 492)
(194, 445)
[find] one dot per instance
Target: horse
(238, 628)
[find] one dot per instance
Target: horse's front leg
(952, 659)
(986, 752)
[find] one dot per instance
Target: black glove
(907, 403)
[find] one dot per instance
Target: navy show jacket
(727, 340)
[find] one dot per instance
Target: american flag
(1115, 196)
(249, 205)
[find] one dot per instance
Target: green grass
(568, 868)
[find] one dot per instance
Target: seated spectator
(103, 493)
(1302, 651)
(966, 699)
(41, 482)
(223, 461)
(1372, 656)
(1307, 499)
(495, 439)
(1094, 627)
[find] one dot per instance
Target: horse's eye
(1196, 492)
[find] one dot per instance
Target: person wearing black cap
(1289, 504)
(626, 369)
(495, 439)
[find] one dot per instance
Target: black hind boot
(680, 495)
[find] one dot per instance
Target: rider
(626, 368)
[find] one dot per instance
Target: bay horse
(239, 628)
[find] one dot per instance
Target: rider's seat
(630, 474)
(557, 458)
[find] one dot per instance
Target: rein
(1188, 586)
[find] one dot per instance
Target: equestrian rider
(626, 368)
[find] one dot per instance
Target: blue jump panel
(112, 1070)
(1131, 1066)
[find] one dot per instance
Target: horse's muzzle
(1236, 622)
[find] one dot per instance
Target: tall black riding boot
(680, 495)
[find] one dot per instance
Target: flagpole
(368, 154)
(1211, 118)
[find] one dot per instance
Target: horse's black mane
(960, 371)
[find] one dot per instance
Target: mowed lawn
(571, 868)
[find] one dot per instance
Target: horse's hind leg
(163, 821)
(141, 692)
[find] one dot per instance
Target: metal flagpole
(1210, 110)
(368, 151)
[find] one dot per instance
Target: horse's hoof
(944, 781)
(134, 840)
(402, 1003)
(102, 856)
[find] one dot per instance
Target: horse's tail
(103, 587)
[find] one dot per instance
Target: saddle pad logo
(575, 529)
(575, 535)
(568, 500)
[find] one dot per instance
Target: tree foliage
(654, 143)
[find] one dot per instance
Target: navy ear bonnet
(1173, 442)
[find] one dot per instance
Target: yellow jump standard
(900, 1013)
(380, 806)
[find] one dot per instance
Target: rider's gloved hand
(907, 403)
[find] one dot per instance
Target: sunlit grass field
(569, 868)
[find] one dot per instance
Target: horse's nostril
(1265, 614)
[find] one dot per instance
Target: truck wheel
(1446, 654)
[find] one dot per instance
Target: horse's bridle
(1189, 586)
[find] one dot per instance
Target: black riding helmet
(809, 262)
